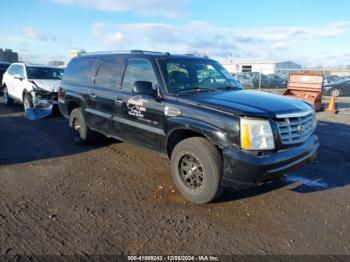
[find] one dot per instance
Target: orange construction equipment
(306, 86)
(332, 106)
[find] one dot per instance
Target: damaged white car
(35, 86)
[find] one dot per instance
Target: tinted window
(35, 72)
(110, 72)
(138, 70)
(80, 69)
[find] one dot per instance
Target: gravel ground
(116, 198)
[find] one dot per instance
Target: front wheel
(6, 98)
(27, 102)
(80, 132)
(196, 168)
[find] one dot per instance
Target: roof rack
(126, 52)
(149, 52)
(106, 52)
(136, 52)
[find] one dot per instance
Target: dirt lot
(116, 198)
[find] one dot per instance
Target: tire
(80, 132)
(336, 92)
(7, 100)
(27, 101)
(202, 184)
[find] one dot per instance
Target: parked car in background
(3, 68)
(32, 85)
(269, 81)
(262, 81)
(340, 88)
(330, 80)
(192, 110)
(245, 80)
(277, 81)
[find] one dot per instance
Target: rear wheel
(196, 168)
(336, 92)
(6, 98)
(80, 132)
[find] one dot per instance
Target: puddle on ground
(317, 183)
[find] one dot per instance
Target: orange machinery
(306, 86)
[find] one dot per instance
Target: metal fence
(336, 82)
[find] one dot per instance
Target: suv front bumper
(242, 170)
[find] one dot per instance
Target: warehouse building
(262, 67)
(6, 55)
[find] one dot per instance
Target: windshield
(196, 75)
(44, 73)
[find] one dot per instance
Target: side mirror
(144, 88)
(17, 76)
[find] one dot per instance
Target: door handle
(118, 101)
(92, 96)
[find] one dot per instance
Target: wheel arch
(72, 105)
(195, 129)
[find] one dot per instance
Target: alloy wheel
(76, 128)
(335, 92)
(191, 172)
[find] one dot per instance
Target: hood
(249, 103)
(47, 84)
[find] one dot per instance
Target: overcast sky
(312, 33)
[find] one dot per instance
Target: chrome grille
(295, 129)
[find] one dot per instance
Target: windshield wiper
(230, 88)
(197, 89)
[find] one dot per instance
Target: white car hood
(47, 84)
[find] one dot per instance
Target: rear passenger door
(102, 96)
(139, 118)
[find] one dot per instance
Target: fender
(214, 134)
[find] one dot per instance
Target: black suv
(3, 68)
(191, 109)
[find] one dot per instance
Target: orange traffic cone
(332, 106)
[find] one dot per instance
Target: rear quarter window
(80, 70)
(110, 72)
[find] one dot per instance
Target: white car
(32, 85)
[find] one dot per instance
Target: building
(262, 67)
(6, 55)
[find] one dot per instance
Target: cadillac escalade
(192, 110)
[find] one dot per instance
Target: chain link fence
(336, 82)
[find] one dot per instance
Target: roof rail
(149, 52)
(106, 52)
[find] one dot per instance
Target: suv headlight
(256, 134)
